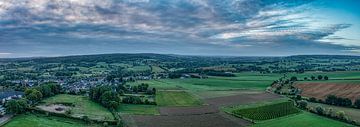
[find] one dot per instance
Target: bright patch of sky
(191, 27)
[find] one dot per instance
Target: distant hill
(113, 58)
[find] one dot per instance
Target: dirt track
(201, 116)
(322, 90)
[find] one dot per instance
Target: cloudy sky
(190, 27)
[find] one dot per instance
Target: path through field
(198, 116)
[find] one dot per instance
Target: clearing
(82, 106)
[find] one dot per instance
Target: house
(2, 110)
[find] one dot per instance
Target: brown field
(188, 110)
(204, 120)
(241, 99)
(322, 90)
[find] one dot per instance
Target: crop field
(158, 84)
(223, 84)
(138, 109)
(322, 90)
(302, 120)
(32, 120)
(350, 112)
(266, 112)
(176, 98)
(223, 93)
(241, 99)
(83, 106)
(205, 120)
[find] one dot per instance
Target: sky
(32, 28)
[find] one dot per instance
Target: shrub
(319, 110)
(357, 103)
(302, 104)
(340, 115)
(105, 124)
(312, 99)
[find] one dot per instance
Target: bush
(319, 110)
(338, 101)
(105, 124)
(340, 115)
(312, 99)
(357, 103)
(302, 104)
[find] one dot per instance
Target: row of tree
(137, 100)
(319, 77)
(43, 91)
(338, 101)
(106, 96)
(329, 112)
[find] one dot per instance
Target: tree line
(32, 96)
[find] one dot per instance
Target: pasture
(82, 106)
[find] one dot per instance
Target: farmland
(321, 90)
(31, 120)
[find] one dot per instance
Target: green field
(138, 109)
(157, 69)
(32, 120)
(158, 84)
(139, 68)
(83, 106)
(302, 120)
(176, 98)
(265, 112)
